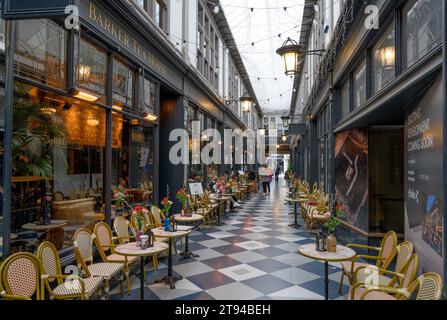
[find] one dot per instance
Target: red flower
(164, 201)
(139, 209)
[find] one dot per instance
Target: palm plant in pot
(37, 132)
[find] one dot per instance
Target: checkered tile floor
(253, 256)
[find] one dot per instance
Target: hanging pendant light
(290, 52)
(285, 121)
(246, 101)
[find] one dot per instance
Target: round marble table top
(132, 250)
(193, 218)
(54, 224)
(182, 231)
(222, 198)
(297, 200)
(343, 253)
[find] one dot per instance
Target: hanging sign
(34, 9)
(297, 129)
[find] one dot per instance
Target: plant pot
(331, 243)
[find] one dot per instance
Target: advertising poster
(424, 203)
(351, 175)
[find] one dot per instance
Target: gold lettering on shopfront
(124, 38)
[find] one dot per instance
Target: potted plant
(333, 221)
(183, 196)
(140, 222)
(165, 208)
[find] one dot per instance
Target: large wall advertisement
(424, 202)
(351, 175)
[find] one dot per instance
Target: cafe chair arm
(361, 246)
(389, 290)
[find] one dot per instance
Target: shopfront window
(150, 96)
(384, 60)
(345, 100)
(40, 54)
(2, 34)
(323, 127)
(58, 167)
(359, 86)
(422, 22)
(132, 160)
(91, 69)
(2, 131)
(123, 85)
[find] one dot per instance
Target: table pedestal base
(187, 254)
(295, 225)
(169, 280)
(326, 280)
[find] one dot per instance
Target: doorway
(386, 184)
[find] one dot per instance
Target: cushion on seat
(119, 258)
(373, 295)
(70, 288)
(346, 266)
(374, 277)
(106, 270)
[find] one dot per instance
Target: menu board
(196, 189)
(424, 184)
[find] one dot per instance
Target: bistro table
(220, 200)
(342, 254)
(132, 250)
(295, 225)
(182, 231)
(231, 195)
(188, 220)
(54, 224)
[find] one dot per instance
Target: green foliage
(36, 132)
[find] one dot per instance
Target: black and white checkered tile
(253, 256)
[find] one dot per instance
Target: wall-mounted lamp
(84, 72)
(292, 54)
(82, 95)
(149, 116)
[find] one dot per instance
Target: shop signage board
(33, 9)
(424, 201)
(297, 129)
(106, 23)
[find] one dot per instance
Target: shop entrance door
(386, 184)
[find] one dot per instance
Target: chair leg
(175, 246)
(121, 283)
(155, 262)
(107, 289)
(128, 279)
(340, 288)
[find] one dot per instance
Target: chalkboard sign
(33, 9)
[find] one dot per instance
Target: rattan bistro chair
(403, 279)
(384, 277)
(20, 277)
(83, 244)
(106, 249)
(67, 286)
(429, 286)
(386, 253)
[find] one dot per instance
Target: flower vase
(138, 237)
(331, 243)
(46, 216)
(167, 224)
